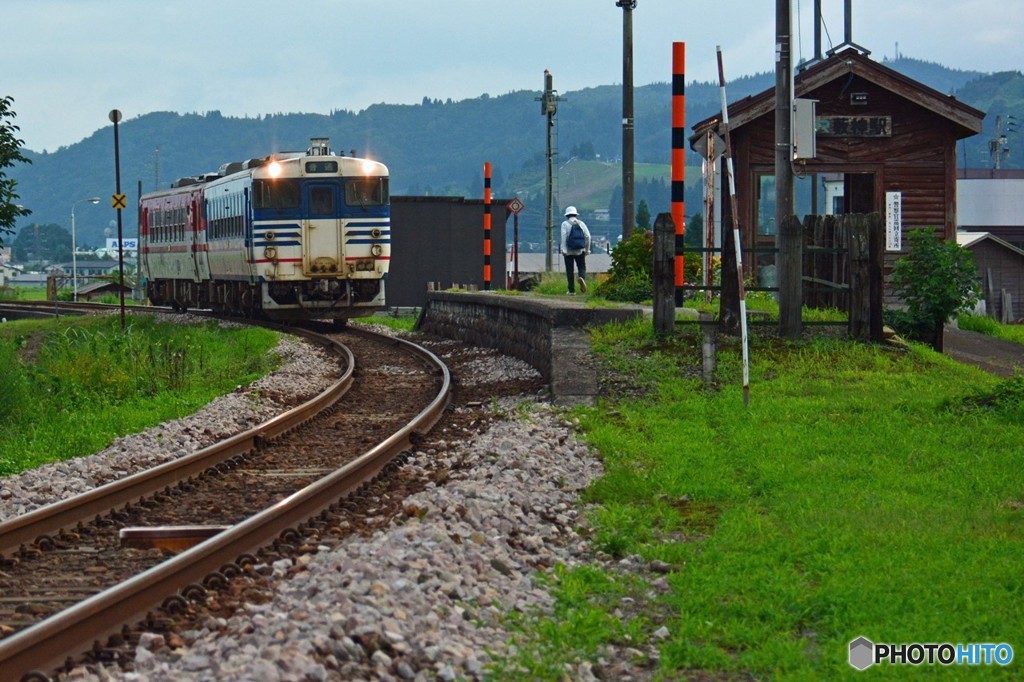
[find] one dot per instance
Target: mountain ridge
(433, 147)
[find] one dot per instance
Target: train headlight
(368, 167)
(376, 250)
(274, 169)
(270, 253)
(375, 233)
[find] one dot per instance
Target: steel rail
(66, 514)
(47, 644)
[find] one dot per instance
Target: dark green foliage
(693, 238)
(35, 243)
(629, 279)
(10, 154)
(936, 279)
(643, 215)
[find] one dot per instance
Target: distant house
(91, 268)
(90, 292)
(28, 279)
(989, 200)
(8, 272)
(1001, 270)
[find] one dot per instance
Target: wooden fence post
(866, 239)
(860, 278)
(876, 239)
(810, 296)
(664, 274)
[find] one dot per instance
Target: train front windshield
(282, 197)
(371, 191)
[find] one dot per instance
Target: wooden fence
(842, 268)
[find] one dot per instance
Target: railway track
(78, 576)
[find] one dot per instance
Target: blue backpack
(576, 239)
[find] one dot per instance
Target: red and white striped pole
(487, 225)
(679, 158)
(735, 232)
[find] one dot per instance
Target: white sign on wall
(129, 245)
(893, 221)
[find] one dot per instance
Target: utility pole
(548, 107)
(999, 146)
(628, 212)
(119, 202)
(788, 243)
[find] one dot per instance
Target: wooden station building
(877, 132)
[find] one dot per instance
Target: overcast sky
(67, 63)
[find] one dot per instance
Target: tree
(936, 280)
(10, 153)
(42, 243)
(643, 215)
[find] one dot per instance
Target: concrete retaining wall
(548, 333)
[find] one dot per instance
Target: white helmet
(571, 211)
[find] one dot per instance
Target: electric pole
(787, 238)
(628, 212)
(548, 107)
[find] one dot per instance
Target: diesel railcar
(284, 237)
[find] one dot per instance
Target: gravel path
(423, 598)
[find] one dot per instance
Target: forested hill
(435, 147)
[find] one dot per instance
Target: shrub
(936, 279)
(630, 277)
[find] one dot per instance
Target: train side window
(276, 194)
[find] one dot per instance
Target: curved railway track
(76, 574)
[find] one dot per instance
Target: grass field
(866, 491)
(72, 385)
(986, 325)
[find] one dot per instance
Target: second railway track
(70, 588)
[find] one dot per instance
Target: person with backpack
(575, 247)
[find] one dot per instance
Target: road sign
(119, 201)
(516, 205)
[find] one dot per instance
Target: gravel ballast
(421, 599)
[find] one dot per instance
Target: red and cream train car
(289, 236)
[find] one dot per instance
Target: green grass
(23, 293)
(865, 491)
(73, 385)
(402, 323)
(555, 284)
(986, 325)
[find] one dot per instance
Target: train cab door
(192, 235)
(322, 233)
